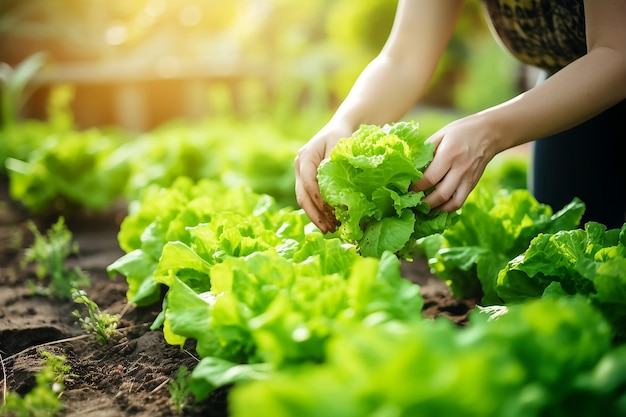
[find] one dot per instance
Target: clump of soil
(128, 376)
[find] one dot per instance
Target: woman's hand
(462, 150)
(386, 89)
(307, 189)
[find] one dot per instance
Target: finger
(450, 194)
(434, 172)
(441, 195)
(436, 138)
(444, 191)
(458, 198)
(309, 197)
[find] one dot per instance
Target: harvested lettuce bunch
(366, 180)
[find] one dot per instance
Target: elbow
(613, 59)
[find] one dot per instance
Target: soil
(128, 376)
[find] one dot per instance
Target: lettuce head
(366, 181)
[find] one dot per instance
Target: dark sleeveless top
(548, 34)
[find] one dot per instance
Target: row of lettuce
(54, 167)
(303, 323)
(503, 247)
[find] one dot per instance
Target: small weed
(43, 400)
(179, 390)
(102, 325)
(60, 369)
(49, 253)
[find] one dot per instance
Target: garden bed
(130, 374)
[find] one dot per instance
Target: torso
(548, 34)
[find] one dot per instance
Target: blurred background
(140, 63)
(101, 99)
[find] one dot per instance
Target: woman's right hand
(307, 189)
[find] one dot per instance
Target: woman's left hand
(463, 149)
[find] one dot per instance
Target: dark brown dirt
(128, 376)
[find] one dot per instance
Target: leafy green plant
(589, 262)
(16, 87)
(366, 181)
(493, 228)
(267, 310)
(179, 390)
(207, 215)
(43, 399)
(20, 140)
(71, 170)
(548, 357)
(102, 325)
(59, 368)
(49, 253)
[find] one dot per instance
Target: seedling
(43, 400)
(180, 390)
(49, 253)
(60, 369)
(102, 325)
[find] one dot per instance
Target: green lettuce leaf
(205, 220)
(71, 170)
(545, 357)
(589, 262)
(493, 229)
(264, 308)
(366, 180)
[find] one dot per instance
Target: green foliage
(49, 253)
(74, 168)
(250, 282)
(276, 312)
(355, 34)
(366, 181)
(54, 168)
(508, 171)
(493, 228)
(59, 368)
(207, 216)
(16, 86)
(180, 391)
(43, 400)
(548, 357)
(267, 298)
(589, 262)
(101, 325)
(21, 139)
(212, 150)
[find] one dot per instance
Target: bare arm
(384, 92)
(583, 89)
(392, 83)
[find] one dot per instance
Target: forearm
(395, 80)
(575, 94)
(383, 93)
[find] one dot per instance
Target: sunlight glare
(190, 15)
(116, 33)
(155, 8)
(144, 20)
